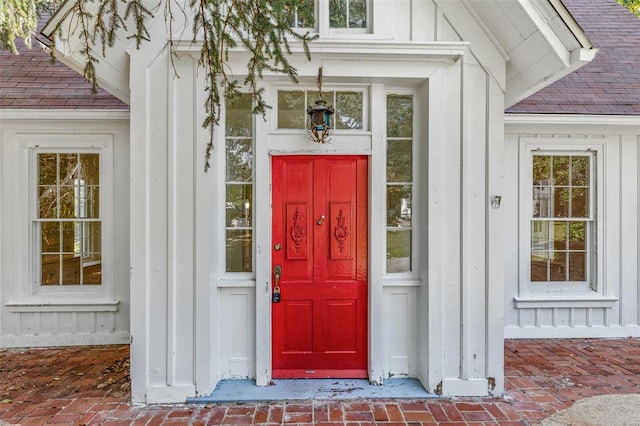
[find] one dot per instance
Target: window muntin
(399, 178)
(67, 222)
(562, 218)
(239, 185)
(348, 105)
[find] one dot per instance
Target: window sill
(564, 301)
(63, 306)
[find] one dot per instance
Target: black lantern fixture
(320, 117)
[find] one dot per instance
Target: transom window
(399, 182)
(68, 225)
(239, 185)
(348, 105)
(563, 219)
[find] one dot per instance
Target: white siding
(617, 316)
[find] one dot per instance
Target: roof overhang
(524, 44)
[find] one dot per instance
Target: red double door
(320, 208)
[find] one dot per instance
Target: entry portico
(426, 87)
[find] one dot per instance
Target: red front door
(320, 244)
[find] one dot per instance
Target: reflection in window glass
(347, 13)
(399, 182)
(239, 183)
(562, 226)
(292, 108)
(302, 15)
(68, 225)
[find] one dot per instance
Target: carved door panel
(320, 209)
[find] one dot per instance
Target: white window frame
(544, 292)
(415, 202)
(322, 24)
(30, 295)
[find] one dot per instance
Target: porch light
(320, 116)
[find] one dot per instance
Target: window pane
(239, 160)
(349, 110)
(399, 251)
(91, 237)
(541, 169)
(399, 116)
(358, 14)
(579, 202)
(70, 241)
(48, 202)
(239, 201)
(50, 268)
(539, 265)
(577, 236)
(239, 256)
(558, 266)
(559, 236)
(560, 206)
(90, 169)
(540, 236)
(68, 207)
(239, 120)
(399, 161)
(580, 171)
(302, 16)
(92, 270)
(561, 170)
(50, 237)
(577, 267)
(47, 169)
(399, 205)
(541, 201)
(291, 109)
(68, 168)
(338, 13)
(70, 269)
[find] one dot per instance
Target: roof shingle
(610, 84)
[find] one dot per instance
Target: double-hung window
(562, 225)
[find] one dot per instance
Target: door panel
(320, 212)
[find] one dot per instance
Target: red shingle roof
(30, 81)
(610, 84)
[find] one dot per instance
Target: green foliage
(632, 5)
(261, 27)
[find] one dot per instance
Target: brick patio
(90, 386)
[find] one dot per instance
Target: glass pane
(91, 237)
(560, 203)
(239, 119)
(541, 201)
(399, 161)
(90, 169)
(561, 170)
(558, 266)
(301, 16)
(50, 268)
(579, 202)
(92, 270)
(70, 238)
(338, 13)
(68, 207)
(68, 168)
(348, 110)
(559, 235)
(580, 171)
(399, 116)
(539, 235)
(89, 202)
(358, 14)
(70, 269)
(539, 265)
(399, 251)
(291, 110)
(47, 169)
(239, 205)
(239, 256)
(577, 267)
(577, 235)
(50, 237)
(541, 169)
(47, 202)
(399, 205)
(239, 160)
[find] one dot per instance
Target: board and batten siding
(55, 318)
(616, 313)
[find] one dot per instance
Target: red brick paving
(90, 386)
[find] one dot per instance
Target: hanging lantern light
(320, 117)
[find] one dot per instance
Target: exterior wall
(194, 325)
(612, 310)
(60, 319)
